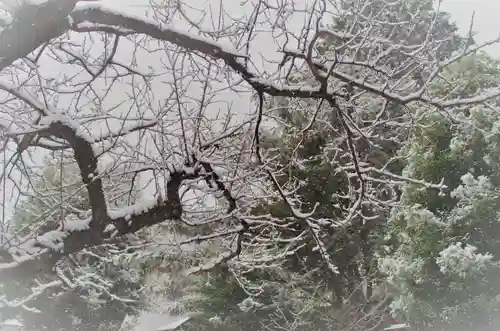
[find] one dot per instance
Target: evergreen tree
(441, 249)
(305, 283)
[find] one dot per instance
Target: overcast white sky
(486, 20)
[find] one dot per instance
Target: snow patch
(53, 240)
(12, 322)
(67, 121)
(109, 228)
(129, 211)
(77, 225)
(173, 325)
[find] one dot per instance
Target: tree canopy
(325, 162)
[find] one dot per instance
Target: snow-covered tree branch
(171, 120)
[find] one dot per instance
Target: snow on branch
(345, 77)
(71, 237)
(47, 20)
(102, 17)
(87, 14)
(104, 223)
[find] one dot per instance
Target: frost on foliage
(472, 187)
(458, 146)
(461, 260)
(476, 196)
(215, 320)
(249, 304)
(415, 214)
(402, 303)
(402, 270)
